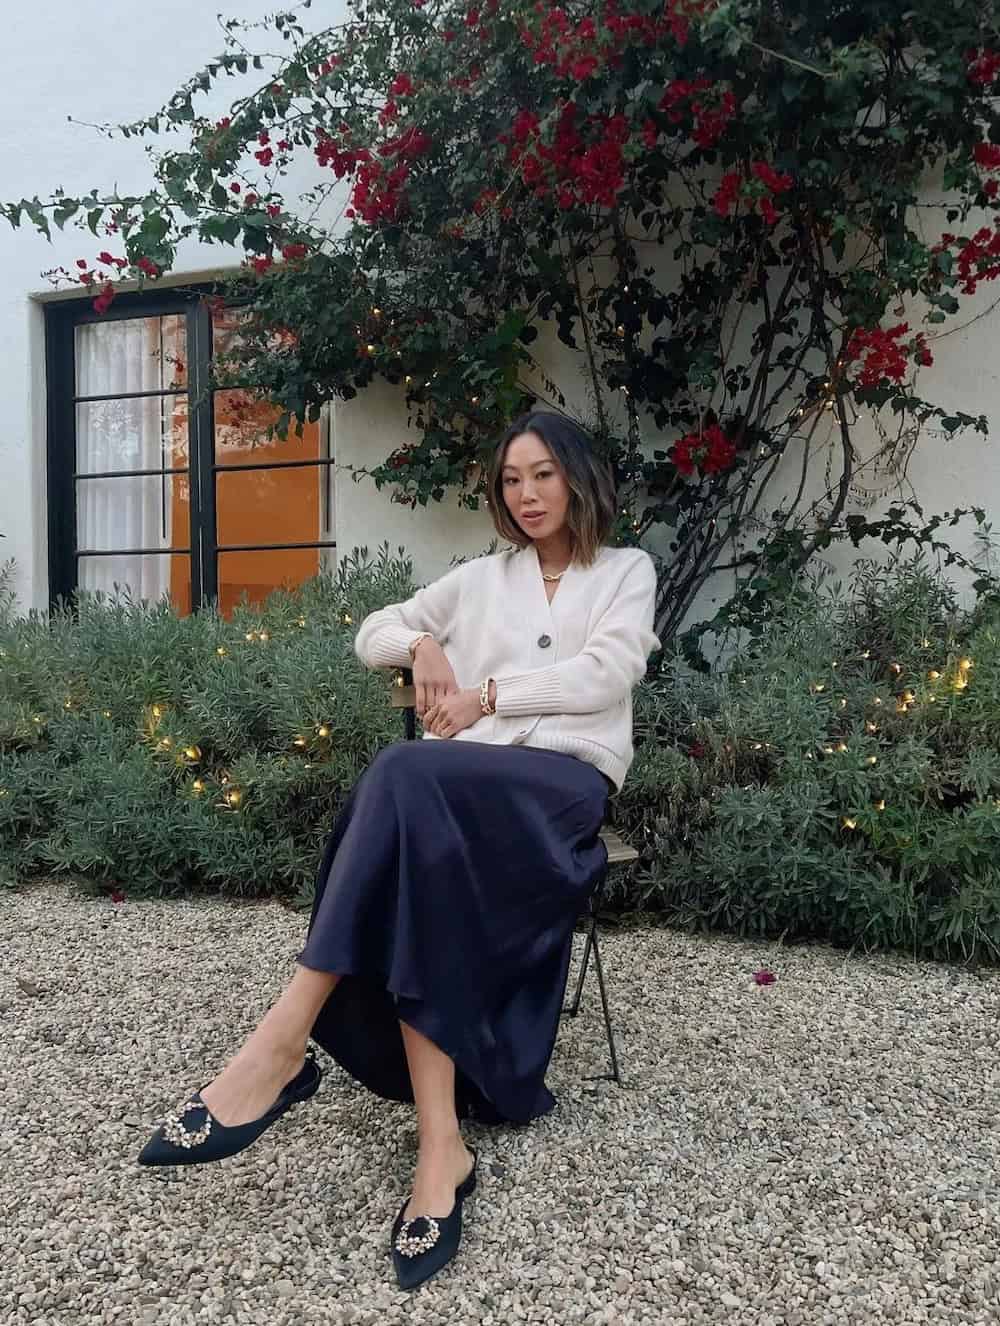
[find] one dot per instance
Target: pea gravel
(820, 1150)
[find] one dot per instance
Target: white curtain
(122, 514)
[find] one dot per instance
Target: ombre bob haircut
(589, 477)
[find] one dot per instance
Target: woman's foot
(443, 1164)
(252, 1080)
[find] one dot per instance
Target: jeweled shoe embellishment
(412, 1245)
(177, 1134)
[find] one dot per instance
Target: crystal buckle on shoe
(177, 1135)
(412, 1245)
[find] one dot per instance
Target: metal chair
(619, 853)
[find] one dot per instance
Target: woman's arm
(385, 636)
(612, 660)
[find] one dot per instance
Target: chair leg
(573, 1007)
(615, 1074)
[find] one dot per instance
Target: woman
(440, 936)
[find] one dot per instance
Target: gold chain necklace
(558, 577)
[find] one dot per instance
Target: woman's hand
(454, 714)
(433, 676)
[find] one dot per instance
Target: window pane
(144, 511)
(258, 573)
(279, 505)
(241, 424)
(148, 576)
(145, 434)
(131, 354)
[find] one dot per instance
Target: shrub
(160, 753)
(840, 779)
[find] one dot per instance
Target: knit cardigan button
(544, 641)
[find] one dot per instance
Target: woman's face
(534, 489)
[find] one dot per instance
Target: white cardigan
(564, 671)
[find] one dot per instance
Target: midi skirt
(446, 899)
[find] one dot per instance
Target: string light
(263, 635)
(233, 797)
(300, 741)
(198, 786)
(880, 804)
(877, 700)
(871, 727)
(192, 753)
(323, 731)
(817, 686)
(965, 664)
(841, 747)
(106, 713)
(896, 667)
(849, 823)
(302, 621)
(348, 620)
(933, 674)
(867, 653)
(872, 759)
(157, 711)
(221, 651)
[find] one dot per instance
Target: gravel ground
(820, 1150)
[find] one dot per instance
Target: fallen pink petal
(117, 895)
(764, 977)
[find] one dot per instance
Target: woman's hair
(593, 498)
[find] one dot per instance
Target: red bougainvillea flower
(987, 156)
(681, 12)
(273, 209)
(978, 257)
(265, 156)
(710, 451)
(764, 977)
(147, 267)
(727, 194)
(235, 188)
(775, 180)
(885, 354)
(291, 252)
(104, 300)
(984, 66)
(709, 114)
(261, 264)
(401, 86)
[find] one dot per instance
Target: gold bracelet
(411, 648)
(484, 699)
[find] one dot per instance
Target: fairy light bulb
(872, 759)
(323, 731)
(870, 726)
(233, 797)
(933, 674)
(192, 752)
(157, 711)
(880, 804)
(221, 651)
(300, 741)
(302, 621)
(198, 786)
(849, 823)
(896, 667)
(965, 664)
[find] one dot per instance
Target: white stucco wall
(65, 59)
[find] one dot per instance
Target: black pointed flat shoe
(193, 1136)
(425, 1244)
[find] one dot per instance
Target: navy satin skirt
(446, 899)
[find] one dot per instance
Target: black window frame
(203, 548)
